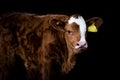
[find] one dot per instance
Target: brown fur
(36, 39)
(39, 41)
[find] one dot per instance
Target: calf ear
(58, 24)
(93, 24)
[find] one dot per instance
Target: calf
(45, 45)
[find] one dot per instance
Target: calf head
(76, 29)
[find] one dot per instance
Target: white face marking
(81, 22)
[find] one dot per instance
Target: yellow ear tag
(92, 28)
(57, 22)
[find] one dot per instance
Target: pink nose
(81, 45)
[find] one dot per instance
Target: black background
(99, 61)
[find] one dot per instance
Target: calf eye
(69, 32)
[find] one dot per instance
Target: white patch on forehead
(82, 24)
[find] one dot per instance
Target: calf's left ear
(58, 24)
(93, 24)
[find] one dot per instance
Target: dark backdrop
(98, 62)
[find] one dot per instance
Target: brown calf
(41, 43)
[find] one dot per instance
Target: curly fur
(34, 39)
(34, 44)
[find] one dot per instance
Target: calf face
(76, 29)
(75, 33)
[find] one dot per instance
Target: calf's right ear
(93, 24)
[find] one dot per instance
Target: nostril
(84, 44)
(77, 44)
